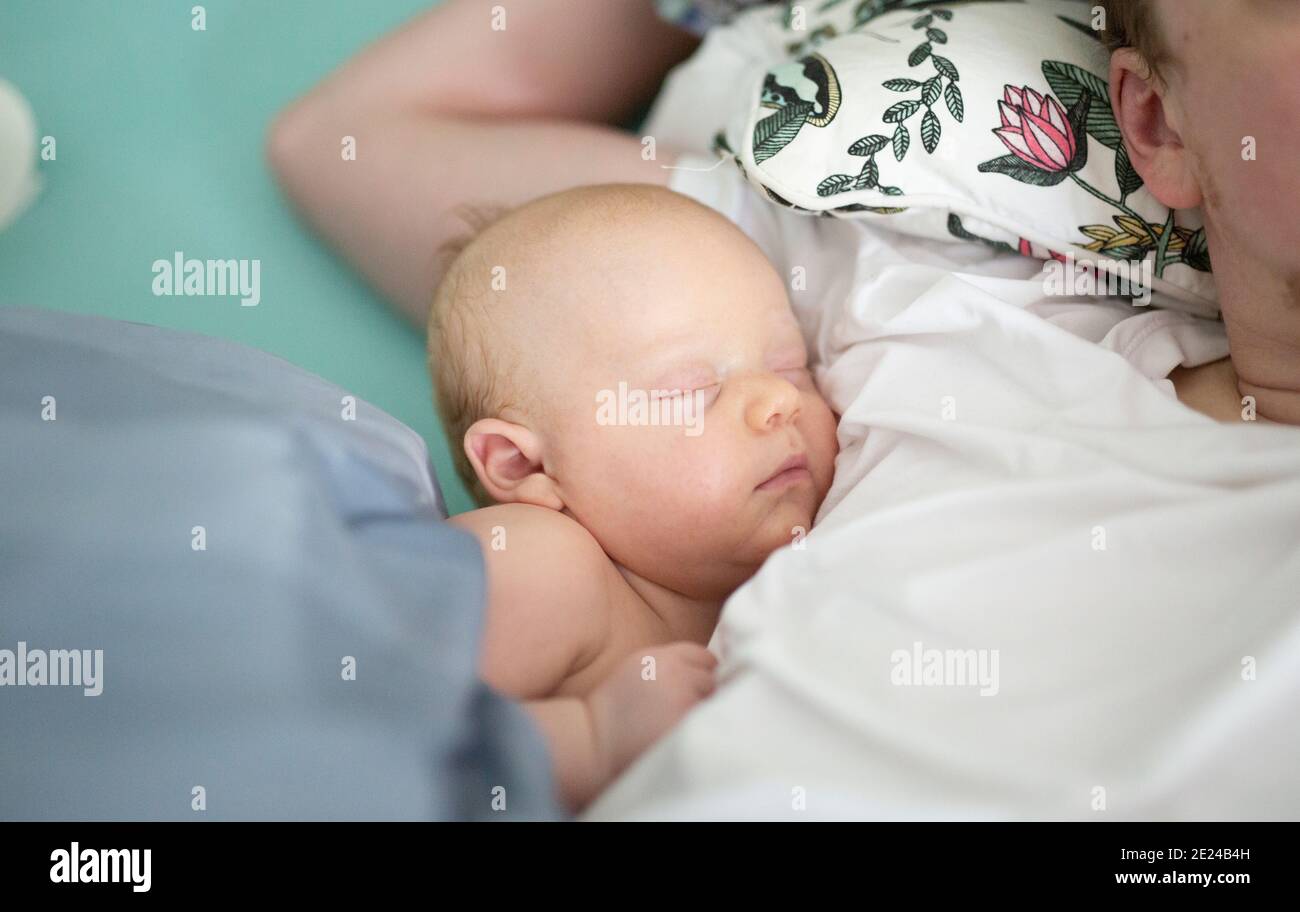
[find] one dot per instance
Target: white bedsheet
(1017, 476)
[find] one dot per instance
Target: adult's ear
(507, 458)
(1152, 128)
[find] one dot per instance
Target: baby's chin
(782, 523)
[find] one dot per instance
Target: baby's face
(687, 435)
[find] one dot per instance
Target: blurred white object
(19, 182)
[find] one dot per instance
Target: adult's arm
(448, 110)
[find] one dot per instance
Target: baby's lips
(792, 464)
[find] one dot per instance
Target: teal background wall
(159, 134)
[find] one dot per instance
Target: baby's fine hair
(474, 360)
(455, 341)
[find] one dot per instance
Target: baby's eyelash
(676, 393)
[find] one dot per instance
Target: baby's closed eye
(705, 393)
(799, 376)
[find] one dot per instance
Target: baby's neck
(684, 617)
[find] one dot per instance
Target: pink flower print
(1035, 129)
(1030, 249)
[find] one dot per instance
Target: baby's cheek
(715, 477)
(818, 426)
(666, 470)
(714, 484)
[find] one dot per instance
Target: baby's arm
(548, 616)
(593, 738)
(547, 599)
(448, 110)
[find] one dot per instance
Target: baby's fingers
(695, 654)
(701, 683)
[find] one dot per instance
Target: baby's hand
(641, 699)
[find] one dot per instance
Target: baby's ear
(507, 458)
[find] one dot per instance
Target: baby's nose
(773, 402)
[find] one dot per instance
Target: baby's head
(626, 355)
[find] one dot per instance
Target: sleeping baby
(627, 393)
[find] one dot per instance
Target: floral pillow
(986, 122)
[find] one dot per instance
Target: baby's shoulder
(518, 534)
(549, 581)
